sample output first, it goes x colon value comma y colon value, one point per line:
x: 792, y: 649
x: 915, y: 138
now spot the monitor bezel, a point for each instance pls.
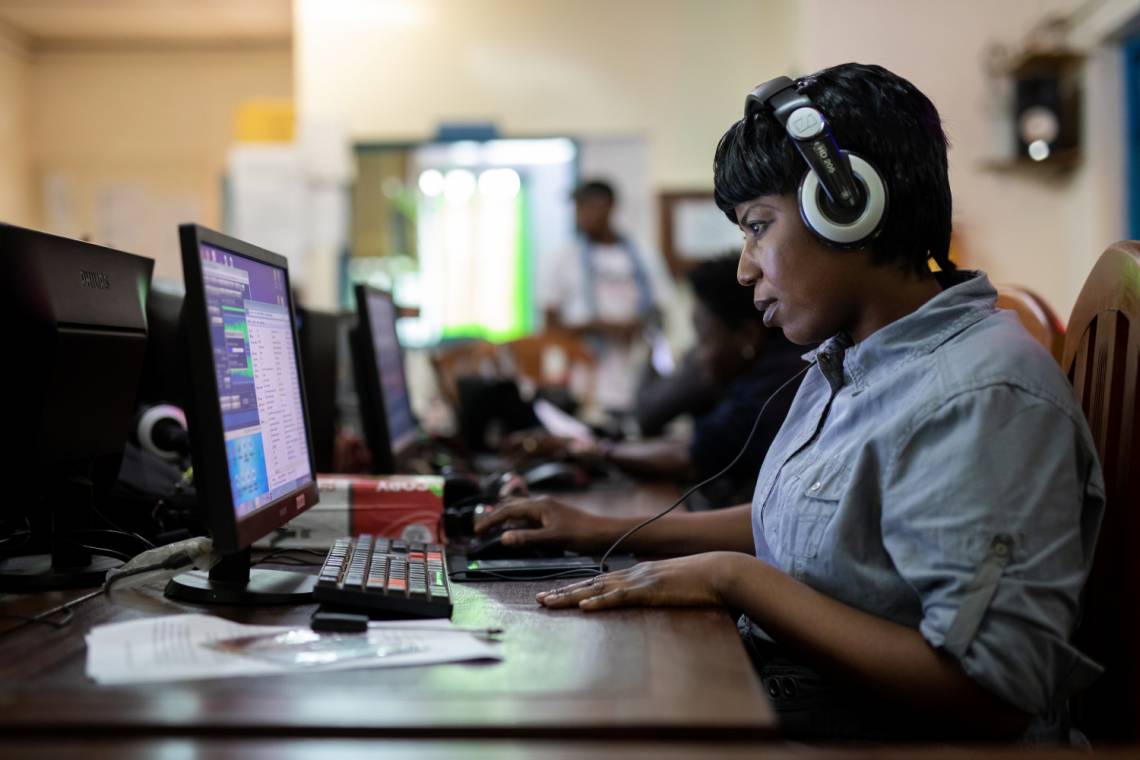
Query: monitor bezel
x: 207, y: 432
x: 375, y: 421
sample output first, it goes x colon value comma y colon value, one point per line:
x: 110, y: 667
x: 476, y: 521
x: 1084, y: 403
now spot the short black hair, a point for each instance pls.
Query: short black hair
x: 883, y: 118
x: 715, y: 285
x: 595, y: 188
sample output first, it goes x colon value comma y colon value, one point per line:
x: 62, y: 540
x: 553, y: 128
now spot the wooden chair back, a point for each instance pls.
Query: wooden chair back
x: 1036, y: 316
x: 465, y: 359
x: 1101, y: 354
x: 554, y: 358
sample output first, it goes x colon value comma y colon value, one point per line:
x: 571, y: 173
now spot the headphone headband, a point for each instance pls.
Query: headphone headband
x: 855, y: 201
x: 811, y: 135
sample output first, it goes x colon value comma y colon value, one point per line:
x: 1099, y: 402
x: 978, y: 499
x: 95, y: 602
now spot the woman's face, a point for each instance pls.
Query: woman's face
x: 800, y: 285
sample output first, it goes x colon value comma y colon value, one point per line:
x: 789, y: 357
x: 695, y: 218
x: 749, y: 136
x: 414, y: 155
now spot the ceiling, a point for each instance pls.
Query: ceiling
x: 52, y: 22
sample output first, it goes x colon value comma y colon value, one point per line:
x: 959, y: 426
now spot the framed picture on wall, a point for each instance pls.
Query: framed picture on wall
x: 694, y: 229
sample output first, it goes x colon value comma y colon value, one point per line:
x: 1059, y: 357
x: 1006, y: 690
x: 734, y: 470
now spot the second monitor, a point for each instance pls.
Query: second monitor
x: 390, y: 427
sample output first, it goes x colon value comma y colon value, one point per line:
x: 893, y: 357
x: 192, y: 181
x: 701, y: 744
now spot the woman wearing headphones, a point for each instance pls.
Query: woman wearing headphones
x: 912, y: 560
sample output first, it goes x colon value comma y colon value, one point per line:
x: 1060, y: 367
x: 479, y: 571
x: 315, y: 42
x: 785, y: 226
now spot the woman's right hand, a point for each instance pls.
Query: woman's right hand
x: 550, y: 523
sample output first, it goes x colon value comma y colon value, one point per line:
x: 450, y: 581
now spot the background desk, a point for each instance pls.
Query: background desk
x: 649, y: 673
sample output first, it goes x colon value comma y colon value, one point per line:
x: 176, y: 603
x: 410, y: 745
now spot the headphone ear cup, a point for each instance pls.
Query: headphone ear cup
x: 852, y: 234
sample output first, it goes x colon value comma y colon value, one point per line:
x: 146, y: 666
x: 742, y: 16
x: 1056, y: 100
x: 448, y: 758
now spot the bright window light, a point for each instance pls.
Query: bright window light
x: 458, y: 185
x: 431, y: 183
x: 499, y: 183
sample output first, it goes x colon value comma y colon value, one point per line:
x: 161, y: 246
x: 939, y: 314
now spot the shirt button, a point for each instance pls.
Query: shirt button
x: 815, y: 486
x: 774, y: 688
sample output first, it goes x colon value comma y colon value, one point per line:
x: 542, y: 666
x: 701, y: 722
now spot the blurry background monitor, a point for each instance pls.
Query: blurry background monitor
x: 76, y: 317
x: 390, y: 428
x: 253, y: 459
x: 319, y: 335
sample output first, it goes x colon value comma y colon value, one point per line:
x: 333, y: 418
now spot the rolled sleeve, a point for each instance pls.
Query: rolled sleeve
x: 998, y: 461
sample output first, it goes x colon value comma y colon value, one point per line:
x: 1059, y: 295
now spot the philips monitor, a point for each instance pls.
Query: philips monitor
x: 252, y: 451
x: 76, y: 324
x: 390, y: 428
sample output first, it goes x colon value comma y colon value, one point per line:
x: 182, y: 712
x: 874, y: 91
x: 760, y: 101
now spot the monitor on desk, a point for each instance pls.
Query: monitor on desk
x: 252, y: 450
x: 390, y: 428
x: 319, y: 335
x: 75, y: 315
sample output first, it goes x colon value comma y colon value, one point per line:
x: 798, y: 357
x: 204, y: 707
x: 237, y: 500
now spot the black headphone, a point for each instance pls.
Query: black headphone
x: 851, y: 208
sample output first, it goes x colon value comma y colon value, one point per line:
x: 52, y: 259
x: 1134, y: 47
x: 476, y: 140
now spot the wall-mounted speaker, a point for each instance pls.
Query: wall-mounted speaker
x: 1047, y: 107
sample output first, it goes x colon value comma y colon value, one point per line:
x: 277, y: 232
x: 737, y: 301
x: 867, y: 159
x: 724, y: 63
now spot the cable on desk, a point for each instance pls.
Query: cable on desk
x: 68, y: 614
x: 173, y: 562
x: 278, y: 555
x: 42, y: 618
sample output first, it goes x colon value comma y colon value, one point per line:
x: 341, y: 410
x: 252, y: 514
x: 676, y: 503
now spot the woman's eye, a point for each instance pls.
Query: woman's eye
x: 757, y: 228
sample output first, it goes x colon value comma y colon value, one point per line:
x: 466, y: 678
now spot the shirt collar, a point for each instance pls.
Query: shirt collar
x: 967, y: 297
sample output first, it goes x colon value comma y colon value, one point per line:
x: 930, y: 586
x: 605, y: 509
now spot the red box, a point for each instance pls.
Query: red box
x: 409, y: 507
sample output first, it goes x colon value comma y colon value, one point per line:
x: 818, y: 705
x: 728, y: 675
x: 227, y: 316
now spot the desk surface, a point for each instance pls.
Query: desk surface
x: 652, y: 673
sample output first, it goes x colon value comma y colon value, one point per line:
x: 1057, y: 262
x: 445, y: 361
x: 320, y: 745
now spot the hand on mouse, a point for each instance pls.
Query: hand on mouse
x: 555, y: 524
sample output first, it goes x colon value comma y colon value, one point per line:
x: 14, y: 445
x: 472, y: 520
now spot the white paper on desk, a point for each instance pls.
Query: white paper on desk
x: 171, y: 648
x: 561, y: 424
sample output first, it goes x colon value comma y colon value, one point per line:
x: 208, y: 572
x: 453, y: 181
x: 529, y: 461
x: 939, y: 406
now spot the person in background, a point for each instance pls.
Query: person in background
x: 742, y: 362
x: 604, y: 289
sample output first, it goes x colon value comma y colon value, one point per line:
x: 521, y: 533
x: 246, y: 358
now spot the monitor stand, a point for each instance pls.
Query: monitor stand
x: 72, y: 562
x: 233, y: 582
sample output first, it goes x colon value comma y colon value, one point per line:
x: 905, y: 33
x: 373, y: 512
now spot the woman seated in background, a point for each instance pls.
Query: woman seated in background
x: 912, y: 561
x: 744, y: 362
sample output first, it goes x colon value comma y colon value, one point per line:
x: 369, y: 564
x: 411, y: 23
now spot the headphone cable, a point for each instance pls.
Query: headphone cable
x: 586, y: 572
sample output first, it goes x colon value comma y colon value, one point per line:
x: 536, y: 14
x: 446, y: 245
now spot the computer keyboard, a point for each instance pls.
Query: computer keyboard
x: 385, y: 575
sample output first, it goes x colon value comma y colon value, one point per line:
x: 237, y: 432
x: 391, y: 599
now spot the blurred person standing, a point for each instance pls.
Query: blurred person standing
x: 602, y: 288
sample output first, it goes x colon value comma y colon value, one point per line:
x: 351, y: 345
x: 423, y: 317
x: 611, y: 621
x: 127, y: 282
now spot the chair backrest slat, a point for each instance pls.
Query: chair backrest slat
x: 1102, y: 359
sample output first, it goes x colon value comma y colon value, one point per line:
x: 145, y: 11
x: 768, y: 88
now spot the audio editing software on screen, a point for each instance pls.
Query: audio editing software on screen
x: 257, y: 373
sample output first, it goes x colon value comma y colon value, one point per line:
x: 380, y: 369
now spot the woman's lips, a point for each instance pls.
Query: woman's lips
x: 767, y: 307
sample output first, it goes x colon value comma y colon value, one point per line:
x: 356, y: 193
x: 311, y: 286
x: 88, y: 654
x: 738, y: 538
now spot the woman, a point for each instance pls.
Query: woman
x: 912, y: 560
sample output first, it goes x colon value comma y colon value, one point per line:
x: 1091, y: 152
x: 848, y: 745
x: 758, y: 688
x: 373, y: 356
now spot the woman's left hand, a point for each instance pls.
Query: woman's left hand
x: 694, y: 581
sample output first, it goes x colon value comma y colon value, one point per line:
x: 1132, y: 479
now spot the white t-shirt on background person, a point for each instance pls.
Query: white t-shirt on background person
x: 616, y: 297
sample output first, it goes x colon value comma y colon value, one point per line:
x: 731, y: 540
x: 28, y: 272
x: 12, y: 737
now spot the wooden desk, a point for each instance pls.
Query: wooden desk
x: 641, y: 673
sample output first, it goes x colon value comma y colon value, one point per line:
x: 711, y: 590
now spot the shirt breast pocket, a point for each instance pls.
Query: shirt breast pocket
x: 818, y: 494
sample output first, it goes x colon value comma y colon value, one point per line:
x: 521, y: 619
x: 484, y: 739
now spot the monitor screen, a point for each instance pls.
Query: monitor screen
x: 257, y: 374
x: 402, y: 425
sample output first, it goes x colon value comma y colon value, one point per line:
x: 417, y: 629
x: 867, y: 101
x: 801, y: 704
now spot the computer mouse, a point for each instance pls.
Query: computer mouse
x: 490, y: 546
x: 556, y: 476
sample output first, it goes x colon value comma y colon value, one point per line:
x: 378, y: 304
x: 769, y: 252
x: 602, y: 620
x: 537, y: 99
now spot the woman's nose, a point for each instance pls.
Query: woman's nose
x: 747, y: 273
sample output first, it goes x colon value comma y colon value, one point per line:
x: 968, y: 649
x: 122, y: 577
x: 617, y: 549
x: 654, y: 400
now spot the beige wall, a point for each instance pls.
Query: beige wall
x: 1024, y: 228
x: 15, y: 171
x: 128, y: 142
x: 674, y: 71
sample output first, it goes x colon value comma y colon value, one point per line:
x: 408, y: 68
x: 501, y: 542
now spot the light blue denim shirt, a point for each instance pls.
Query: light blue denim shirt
x: 941, y: 475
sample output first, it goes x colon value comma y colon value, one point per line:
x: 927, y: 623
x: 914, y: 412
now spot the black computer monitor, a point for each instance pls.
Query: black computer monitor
x: 319, y: 332
x: 390, y: 428
x: 252, y: 450
x: 75, y: 315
